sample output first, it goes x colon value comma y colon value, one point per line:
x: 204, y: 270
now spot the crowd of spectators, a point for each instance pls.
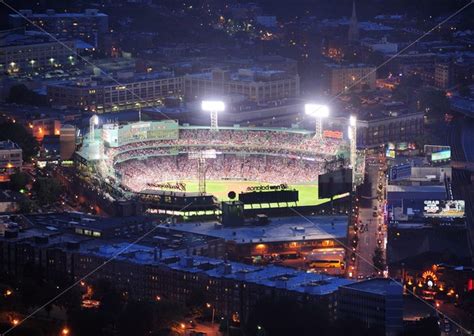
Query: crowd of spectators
x: 237, y: 140
x: 257, y: 155
x: 138, y: 175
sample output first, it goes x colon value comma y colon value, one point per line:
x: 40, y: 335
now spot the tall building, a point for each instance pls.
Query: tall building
x: 376, y: 302
x: 11, y: 158
x: 353, y: 25
x: 443, y: 75
x: 349, y: 77
x: 85, y: 26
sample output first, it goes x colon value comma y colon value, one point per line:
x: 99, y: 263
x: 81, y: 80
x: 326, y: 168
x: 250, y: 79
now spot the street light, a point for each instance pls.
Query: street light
x: 208, y: 305
x: 318, y: 112
x: 65, y: 331
x: 213, y: 107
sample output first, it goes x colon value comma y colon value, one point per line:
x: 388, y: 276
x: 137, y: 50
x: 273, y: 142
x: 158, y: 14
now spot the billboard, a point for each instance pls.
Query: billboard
x: 430, y: 149
x: 335, y: 183
x: 443, y: 208
x: 116, y: 135
x: 444, y: 155
x: 332, y: 134
x: 272, y: 196
x: 400, y: 172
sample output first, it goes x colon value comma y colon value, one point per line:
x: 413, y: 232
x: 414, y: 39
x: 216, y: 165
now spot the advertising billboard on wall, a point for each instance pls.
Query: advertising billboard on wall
x: 444, y: 208
x: 444, y: 155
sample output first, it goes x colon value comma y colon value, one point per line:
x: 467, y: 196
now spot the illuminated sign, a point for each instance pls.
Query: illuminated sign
x: 332, y: 134
x: 444, y: 208
x: 390, y: 153
x: 282, y: 186
x: 444, y: 155
x: 179, y: 186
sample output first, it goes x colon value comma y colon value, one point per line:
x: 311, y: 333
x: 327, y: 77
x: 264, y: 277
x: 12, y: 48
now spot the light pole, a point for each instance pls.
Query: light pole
x: 208, y: 305
x: 93, y: 121
x: 352, y: 132
x: 319, y: 112
x: 213, y: 107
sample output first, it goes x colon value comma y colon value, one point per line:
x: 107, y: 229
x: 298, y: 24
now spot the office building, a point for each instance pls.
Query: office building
x: 111, y: 95
x: 258, y: 86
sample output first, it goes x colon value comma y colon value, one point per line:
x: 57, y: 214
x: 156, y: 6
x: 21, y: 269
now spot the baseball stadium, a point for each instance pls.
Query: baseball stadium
x: 165, y: 158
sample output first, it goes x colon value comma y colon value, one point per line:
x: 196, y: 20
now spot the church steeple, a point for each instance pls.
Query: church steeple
x: 353, y: 25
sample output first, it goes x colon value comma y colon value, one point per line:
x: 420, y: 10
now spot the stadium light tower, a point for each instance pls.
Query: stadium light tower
x: 213, y: 107
x: 201, y: 157
x: 93, y: 122
x: 319, y: 112
x: 352, y: 133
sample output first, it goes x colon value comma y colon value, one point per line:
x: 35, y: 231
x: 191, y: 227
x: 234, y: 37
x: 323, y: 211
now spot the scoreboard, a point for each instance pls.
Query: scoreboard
x: 115, y: 135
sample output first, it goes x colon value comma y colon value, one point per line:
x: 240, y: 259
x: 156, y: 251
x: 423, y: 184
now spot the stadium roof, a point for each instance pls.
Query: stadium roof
x: 279, y: 229
x: 273, y: 129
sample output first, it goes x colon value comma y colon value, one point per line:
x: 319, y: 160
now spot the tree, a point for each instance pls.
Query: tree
x: 18, y: 134
x: 28, y: 206
x: 406, y: 87
x: 47, y: 190
x: 20, y: 94
x: 435, y: 103
x: 18, y: 180
x: 285, y: 316
x: 196, y: 300
x: 136, y: 319
x: 378, y: 260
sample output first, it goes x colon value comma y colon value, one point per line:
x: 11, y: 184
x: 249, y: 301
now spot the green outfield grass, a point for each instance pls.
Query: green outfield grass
x: 308, y: 193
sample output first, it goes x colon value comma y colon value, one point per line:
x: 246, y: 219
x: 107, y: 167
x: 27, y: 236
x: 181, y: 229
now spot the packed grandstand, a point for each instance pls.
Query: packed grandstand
x: 138, y: 155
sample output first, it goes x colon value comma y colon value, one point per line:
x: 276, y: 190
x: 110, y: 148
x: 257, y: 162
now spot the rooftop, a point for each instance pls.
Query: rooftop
x: 8, y: 144
x: 279, y: 229
x: 270, y: 276
x: 380, y: 286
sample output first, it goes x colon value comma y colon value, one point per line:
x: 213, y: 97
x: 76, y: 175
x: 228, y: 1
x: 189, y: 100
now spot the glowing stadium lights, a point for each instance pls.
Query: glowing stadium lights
x: 213, y: 107
x: 352, y: 120
x: 93, y: 121
x: 318, y: 112
x: 352, y: 135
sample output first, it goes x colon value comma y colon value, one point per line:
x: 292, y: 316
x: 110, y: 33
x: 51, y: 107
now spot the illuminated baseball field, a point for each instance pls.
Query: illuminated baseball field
x: 308, y: 193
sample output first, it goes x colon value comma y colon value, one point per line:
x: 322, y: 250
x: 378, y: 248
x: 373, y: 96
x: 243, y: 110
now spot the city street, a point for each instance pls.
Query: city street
x: 371, y: 226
